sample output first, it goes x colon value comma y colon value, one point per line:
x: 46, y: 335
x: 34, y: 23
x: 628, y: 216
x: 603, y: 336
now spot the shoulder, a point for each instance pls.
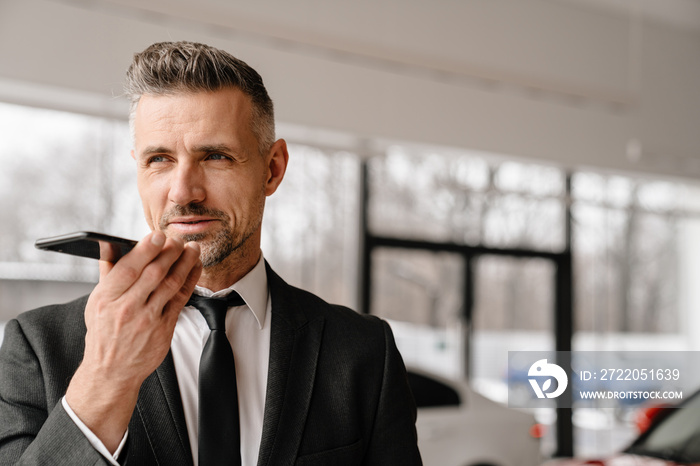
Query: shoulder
x: 301, y: 304
x: 41, y: 350
x: 55, y: 315
x: 343, y: 330
x: 51, y: 328
x: 342, y: 326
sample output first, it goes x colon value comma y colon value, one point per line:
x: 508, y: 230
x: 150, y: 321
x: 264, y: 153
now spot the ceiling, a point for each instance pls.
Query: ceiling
x: 574, y: 82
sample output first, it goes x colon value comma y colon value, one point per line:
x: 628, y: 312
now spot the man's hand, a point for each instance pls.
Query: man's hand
x: 130, y: 318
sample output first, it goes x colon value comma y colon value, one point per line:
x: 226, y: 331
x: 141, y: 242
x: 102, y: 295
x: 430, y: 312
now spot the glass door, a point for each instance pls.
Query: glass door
x: 421, y: 294
x: 513, y: 310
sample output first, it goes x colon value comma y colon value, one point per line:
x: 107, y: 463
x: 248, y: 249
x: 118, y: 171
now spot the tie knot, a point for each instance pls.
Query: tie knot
x: 214, y: 309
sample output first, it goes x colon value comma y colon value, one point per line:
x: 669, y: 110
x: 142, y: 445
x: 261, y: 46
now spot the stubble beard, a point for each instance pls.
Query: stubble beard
x: 217, y: 249
x: 225, y: 241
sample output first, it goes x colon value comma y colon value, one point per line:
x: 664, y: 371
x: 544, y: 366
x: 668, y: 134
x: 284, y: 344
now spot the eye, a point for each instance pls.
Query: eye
x: 217, y: 156
x: 156, y: 159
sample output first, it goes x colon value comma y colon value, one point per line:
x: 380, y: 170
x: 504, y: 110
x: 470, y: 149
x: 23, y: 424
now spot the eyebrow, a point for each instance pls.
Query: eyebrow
x: 199, y: 149
x: 213, y: 148
x: 155, y: 150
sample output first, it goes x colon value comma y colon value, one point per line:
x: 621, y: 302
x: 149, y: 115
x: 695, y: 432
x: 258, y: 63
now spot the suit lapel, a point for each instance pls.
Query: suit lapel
x: 295, y: 341
x: 160, y: 409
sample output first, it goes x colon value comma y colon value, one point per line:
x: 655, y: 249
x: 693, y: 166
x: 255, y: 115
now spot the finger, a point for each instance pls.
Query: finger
x: 122, y: 275
x: 186, y: 290
x: 107, y: 250
x: 176, y: 277
x: 105, y: 268
x: 178, y: 301
x: 157, y: 270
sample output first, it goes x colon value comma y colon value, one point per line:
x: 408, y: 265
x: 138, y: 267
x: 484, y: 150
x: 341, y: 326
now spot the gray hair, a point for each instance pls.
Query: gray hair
x: 173, y: 67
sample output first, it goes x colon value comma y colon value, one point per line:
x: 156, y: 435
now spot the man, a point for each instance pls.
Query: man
x: 115, y: 377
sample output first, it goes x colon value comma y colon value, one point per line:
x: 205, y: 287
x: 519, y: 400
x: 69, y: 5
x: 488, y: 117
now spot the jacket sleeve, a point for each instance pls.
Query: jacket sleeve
x: 394, y: 439
x: 35, y: 430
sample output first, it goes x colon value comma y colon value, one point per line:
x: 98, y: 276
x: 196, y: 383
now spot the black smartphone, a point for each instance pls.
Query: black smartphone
x: 88, y: 244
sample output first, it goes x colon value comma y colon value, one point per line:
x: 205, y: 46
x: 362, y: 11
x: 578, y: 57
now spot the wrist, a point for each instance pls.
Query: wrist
x: 102, y: 385
x: 104, y: 405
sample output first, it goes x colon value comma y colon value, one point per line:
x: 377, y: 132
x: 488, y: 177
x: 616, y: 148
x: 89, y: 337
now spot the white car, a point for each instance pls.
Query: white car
x: 458, y: 427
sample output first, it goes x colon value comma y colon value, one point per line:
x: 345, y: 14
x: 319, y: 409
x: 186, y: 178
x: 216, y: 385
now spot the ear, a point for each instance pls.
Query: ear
x: 277, y: 160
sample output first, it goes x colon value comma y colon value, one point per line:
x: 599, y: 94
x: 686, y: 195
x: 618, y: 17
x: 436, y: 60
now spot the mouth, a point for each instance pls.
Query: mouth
x: 191, y: 225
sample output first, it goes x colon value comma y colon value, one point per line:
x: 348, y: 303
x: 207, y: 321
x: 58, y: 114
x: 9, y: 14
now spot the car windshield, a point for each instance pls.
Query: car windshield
x: 430, y: 393
x: 676, y: 437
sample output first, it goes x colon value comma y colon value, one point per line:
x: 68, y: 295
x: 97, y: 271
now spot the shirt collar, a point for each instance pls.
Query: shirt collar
x: 252, y: 288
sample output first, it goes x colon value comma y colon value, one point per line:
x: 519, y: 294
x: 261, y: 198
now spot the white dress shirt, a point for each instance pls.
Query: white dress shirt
x: 248, y: 331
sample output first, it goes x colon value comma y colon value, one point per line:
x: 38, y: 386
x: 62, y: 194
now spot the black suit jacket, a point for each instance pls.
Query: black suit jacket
x: 336, y: 393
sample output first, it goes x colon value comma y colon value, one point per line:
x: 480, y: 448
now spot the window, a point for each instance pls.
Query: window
x: 631, y: 237
x: 310, y: 230
x: 63, y: 172
x: 460, y: 197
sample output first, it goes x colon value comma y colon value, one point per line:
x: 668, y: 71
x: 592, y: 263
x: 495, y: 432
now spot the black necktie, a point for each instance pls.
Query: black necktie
x: 219, y: 428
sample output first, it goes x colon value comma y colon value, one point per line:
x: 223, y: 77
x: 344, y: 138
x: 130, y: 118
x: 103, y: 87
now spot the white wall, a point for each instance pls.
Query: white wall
x: 533, y: 78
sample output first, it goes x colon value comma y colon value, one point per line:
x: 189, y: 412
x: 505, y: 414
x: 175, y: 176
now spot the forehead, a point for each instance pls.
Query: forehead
x: 222, y: 113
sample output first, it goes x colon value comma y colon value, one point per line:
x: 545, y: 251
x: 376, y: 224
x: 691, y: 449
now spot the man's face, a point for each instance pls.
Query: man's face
x: 200, y: 175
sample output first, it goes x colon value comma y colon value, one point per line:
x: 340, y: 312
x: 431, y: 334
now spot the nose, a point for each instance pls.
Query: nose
x: 187, y: 184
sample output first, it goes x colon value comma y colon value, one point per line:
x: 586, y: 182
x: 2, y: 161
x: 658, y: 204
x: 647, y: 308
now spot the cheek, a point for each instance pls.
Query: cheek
x: 151, y: 200
x: 238, y: 193
x: 253, y: 196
